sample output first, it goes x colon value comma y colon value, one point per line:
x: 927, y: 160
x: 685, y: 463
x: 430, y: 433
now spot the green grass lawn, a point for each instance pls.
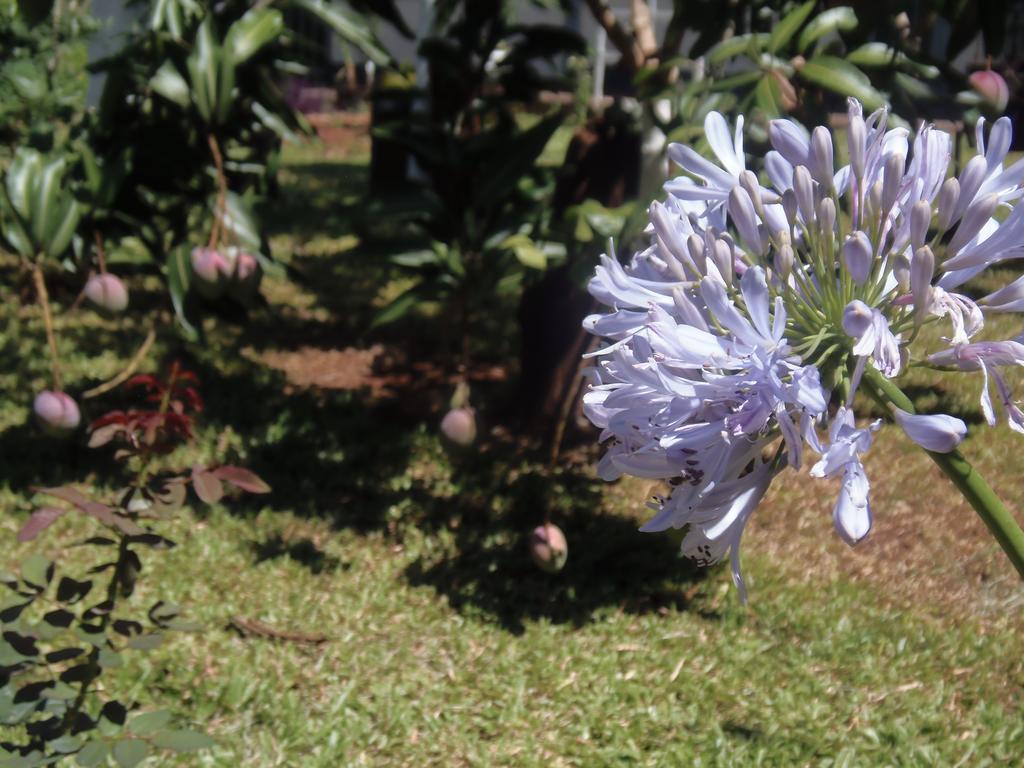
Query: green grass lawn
x: 443, y: 645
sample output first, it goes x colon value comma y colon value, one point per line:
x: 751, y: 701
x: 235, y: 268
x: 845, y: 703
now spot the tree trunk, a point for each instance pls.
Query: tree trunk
x: 602, y: 163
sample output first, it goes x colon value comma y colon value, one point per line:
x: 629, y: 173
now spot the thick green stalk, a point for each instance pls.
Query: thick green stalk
x: 967, y: 480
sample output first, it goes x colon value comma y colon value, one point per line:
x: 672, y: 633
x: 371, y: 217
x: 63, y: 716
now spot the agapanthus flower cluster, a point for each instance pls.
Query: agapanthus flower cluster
x: 739, y: 337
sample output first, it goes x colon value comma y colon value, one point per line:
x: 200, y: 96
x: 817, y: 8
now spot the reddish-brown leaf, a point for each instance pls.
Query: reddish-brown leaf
x: 207, y: 485
x: 242, y: 478
x: 103, y: 435
x: 40, y: 520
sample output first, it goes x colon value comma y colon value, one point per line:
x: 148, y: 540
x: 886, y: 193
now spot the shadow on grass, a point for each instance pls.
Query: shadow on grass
x: 303, y: 551
x: 610, y: 565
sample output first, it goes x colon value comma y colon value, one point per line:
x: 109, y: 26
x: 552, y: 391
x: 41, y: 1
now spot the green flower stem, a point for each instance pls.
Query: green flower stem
x: 967, y: 480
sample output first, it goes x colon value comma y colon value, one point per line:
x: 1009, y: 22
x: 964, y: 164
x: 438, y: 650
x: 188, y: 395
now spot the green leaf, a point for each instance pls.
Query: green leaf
x: 241, y: 223
x: 37, y: 571
x: 183, y: 741
x: 225, y: 87
x: 841, y: 19
x: 843, y: 78
x: 514, y: 161
x: 179, y: 277
x: 749, y: 44
x: 202, y: 70
x: 256, y: 28
x: 27, y: 78
x: 149, y: 723
x: 768, y: 96
x: 130, y: 752
x: 169, y: 83
x: 789, y: 25
x: 873, y: 55
x: 526, y: 251
x: 146, y: 642
x: 92, y: 754
x: 397, y: 308
x: 350, y: 25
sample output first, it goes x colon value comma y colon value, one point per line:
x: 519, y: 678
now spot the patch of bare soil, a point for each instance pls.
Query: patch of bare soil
x: 378, y: 370
x: 343, y: 133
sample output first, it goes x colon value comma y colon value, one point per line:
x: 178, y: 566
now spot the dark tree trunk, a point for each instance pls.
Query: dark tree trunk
x: 602, y: 163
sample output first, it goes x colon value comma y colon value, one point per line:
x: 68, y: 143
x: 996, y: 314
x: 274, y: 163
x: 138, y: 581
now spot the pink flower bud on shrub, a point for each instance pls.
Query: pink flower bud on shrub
x: 548, y: 548
x: 459, y: 426
x: 992, y: 87
x: 56, y: 411
x: 210, y: 271
x: 245, y: 277
x: 106, y: 292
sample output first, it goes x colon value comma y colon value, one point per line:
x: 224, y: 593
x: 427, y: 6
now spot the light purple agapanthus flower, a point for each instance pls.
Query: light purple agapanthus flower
x: 761, y: 301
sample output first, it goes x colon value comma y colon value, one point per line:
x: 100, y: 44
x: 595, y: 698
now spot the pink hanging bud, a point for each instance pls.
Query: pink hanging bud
x: 992, y: 88
x: 210, y: 270
x: 548, y: 548
x: 245, y: 278
x: 107, y: 293
x: 459, y: 426
x: 57, y: 412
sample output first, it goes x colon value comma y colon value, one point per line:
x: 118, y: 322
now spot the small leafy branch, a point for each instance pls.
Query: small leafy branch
x: 56, y: 640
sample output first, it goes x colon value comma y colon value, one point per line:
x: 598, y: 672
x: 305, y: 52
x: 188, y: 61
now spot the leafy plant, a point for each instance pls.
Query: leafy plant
x: 474, y: 204
x: 60, y: 633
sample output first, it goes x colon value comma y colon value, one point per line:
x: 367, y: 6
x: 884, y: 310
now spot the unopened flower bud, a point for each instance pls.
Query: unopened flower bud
x: 107, y: 293
x: 57, y: 412
x: 245, y: 278
x: 548, y: 548
x: 920, y: 219
x: 857, y: 318
x: 827, y: 215
x: 992, y: 88
x: 789, y: 206
x: 891, y: 181
x: 901, y: 270
x: 949, y: 195
x: 459, y: 426
x: 874, y: 205
x: 820, y: 158
x: 858, y: 257
x: 856, y: 137
x: 210, y: 270
x: 803, y: 187
x: 922, y: 270
x: 784, y: 260
x: 695, y: 246
x: 741, y: 210
x: 938, y: 432
x: 724, y: 261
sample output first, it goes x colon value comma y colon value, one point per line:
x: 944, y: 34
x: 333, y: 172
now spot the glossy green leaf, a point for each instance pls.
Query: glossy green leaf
x: 202, y: 70
x: 170, y: 84
x: 749, y: 44
x: 256, y: 28
x: 179, y: 276
x: 841, y: 19
x: 350, y: 25
x: 843, y: 78
x: 788, y: 26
